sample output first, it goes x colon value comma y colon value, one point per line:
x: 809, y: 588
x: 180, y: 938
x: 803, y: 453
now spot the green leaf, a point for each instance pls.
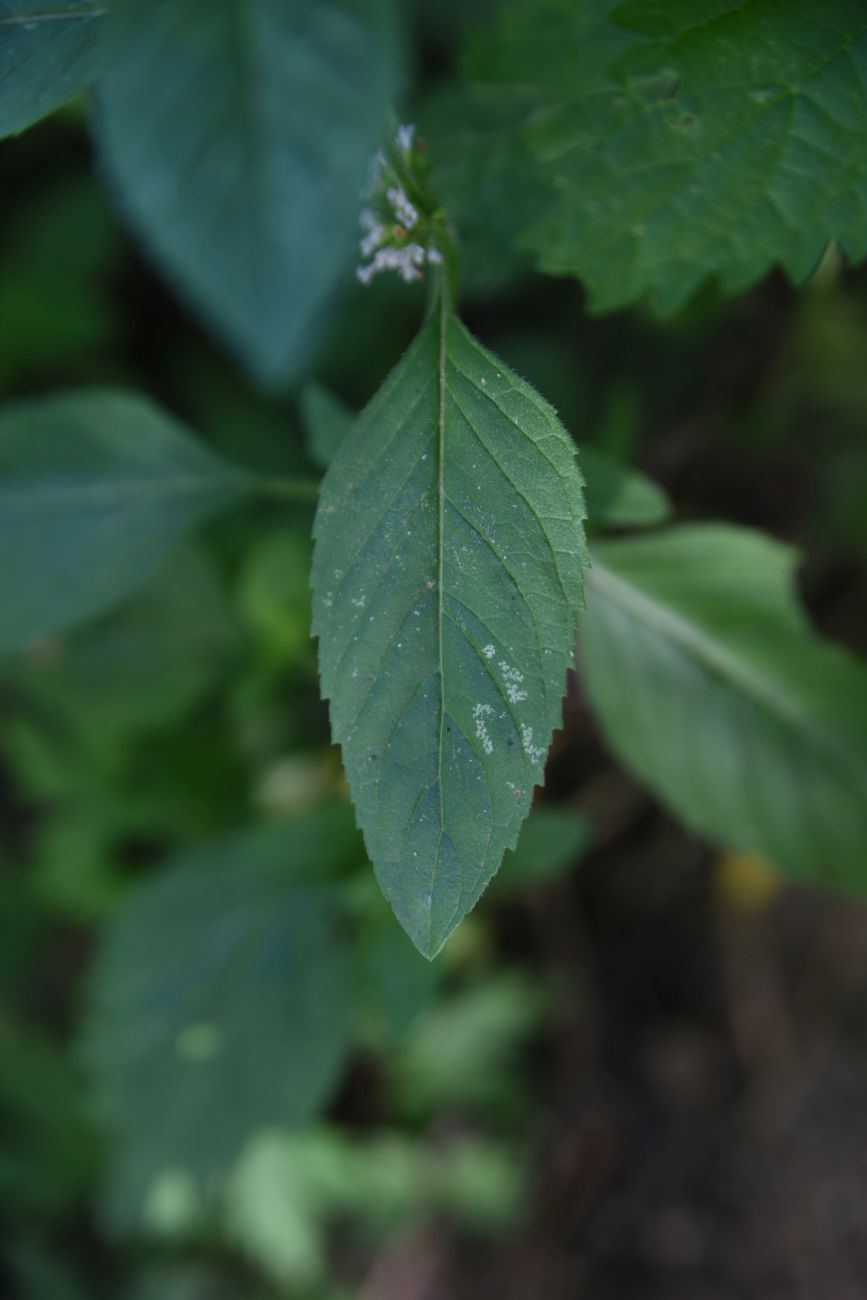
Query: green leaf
x: 398, y: 982
x: 47, y: 55
x: 711, y: 686
x: 242, y: 174
x: 145, y: 664
x: 274, y: 600
x: 619, y: 497
x: 326, y: 420
x: 447, y: 580
x: 714, y: 139
x: 96, y: 488
x: 241, y: 1022
x: 551, y: 842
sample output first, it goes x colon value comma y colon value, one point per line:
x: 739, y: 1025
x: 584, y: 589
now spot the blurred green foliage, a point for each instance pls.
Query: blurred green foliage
x: 226, y: 1074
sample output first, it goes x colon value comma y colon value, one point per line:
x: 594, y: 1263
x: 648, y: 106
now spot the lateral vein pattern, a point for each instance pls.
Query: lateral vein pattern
x: 447, y: 581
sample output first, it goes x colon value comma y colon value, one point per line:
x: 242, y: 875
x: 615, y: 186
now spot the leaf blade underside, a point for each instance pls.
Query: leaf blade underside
x: 447, y: 579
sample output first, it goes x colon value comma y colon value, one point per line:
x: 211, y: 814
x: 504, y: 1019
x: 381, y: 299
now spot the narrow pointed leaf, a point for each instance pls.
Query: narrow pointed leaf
x: 447, y: 579
x: 96, y: 488
x: 47, y: 54
x: 239, y: 134
x: 711, y: 686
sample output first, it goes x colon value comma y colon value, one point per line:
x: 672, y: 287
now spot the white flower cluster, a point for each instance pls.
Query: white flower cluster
x: 406, y: 214
x: 384, y: 240
x: 409, y: 261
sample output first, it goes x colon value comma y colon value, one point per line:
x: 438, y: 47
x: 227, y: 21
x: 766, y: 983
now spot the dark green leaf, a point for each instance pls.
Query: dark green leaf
x: 619, y: 497
x: 715, y: 139
x: 326, y: 421
x: 551, y: 842
x: 710, y: 684
x: 398, y: 982
x: 96, y: 488
x: 146, y: 663
x: 239, y: 134
x: 47, y: 55
x: 274, y: 599
x: 447, y: 580
x: 220, y: 1004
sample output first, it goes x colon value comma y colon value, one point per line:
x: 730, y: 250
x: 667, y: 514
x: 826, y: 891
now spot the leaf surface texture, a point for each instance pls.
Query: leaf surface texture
x: 447, y: 579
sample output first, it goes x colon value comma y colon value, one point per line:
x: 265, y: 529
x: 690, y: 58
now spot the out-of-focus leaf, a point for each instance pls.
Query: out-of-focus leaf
x: 48, y: 53
x: 243, y: 174
x: 146, y: 663
x: 467, y: 1050
x: 711, y: 139
x: 710, y: 685
x: 483, y: 172
x: 274, y: 599
x: 326, y: 422
x: 96, y: 488
x: 619, y: 497
x: 397, y: 980
x: 447, y: 582
x: 220, y: 1004
x: 278, y: 1197
x: 288, y: 1189
x: 552, y: 840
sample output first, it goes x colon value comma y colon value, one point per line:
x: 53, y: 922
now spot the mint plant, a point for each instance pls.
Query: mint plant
x: 644, y: 149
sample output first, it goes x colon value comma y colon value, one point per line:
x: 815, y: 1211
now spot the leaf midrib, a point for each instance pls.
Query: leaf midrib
x: 690, y: 637
x: 442, y: 306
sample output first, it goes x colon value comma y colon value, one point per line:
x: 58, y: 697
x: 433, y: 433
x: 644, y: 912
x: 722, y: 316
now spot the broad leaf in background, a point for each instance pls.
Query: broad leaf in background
x: 47, y: 55
x: 396, y: 981
x: 711, y: 686
x: 220, y: 1004
x: 96, y: 488
x: 711, y: 139
x: 243, y: 173
x: 145, y: 664
x: 326, y: 421
x: 620, y: 497
x: 447, y: 578
x: 552, y: 840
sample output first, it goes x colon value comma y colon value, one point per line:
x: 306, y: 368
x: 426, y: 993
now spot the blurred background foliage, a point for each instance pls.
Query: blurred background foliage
x: 638, y: 1068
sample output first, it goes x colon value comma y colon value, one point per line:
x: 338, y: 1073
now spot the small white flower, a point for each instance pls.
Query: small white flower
x: 404, y: 210
x: 375, y: 231
x: 407, y: 261
x: 389, y: 215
